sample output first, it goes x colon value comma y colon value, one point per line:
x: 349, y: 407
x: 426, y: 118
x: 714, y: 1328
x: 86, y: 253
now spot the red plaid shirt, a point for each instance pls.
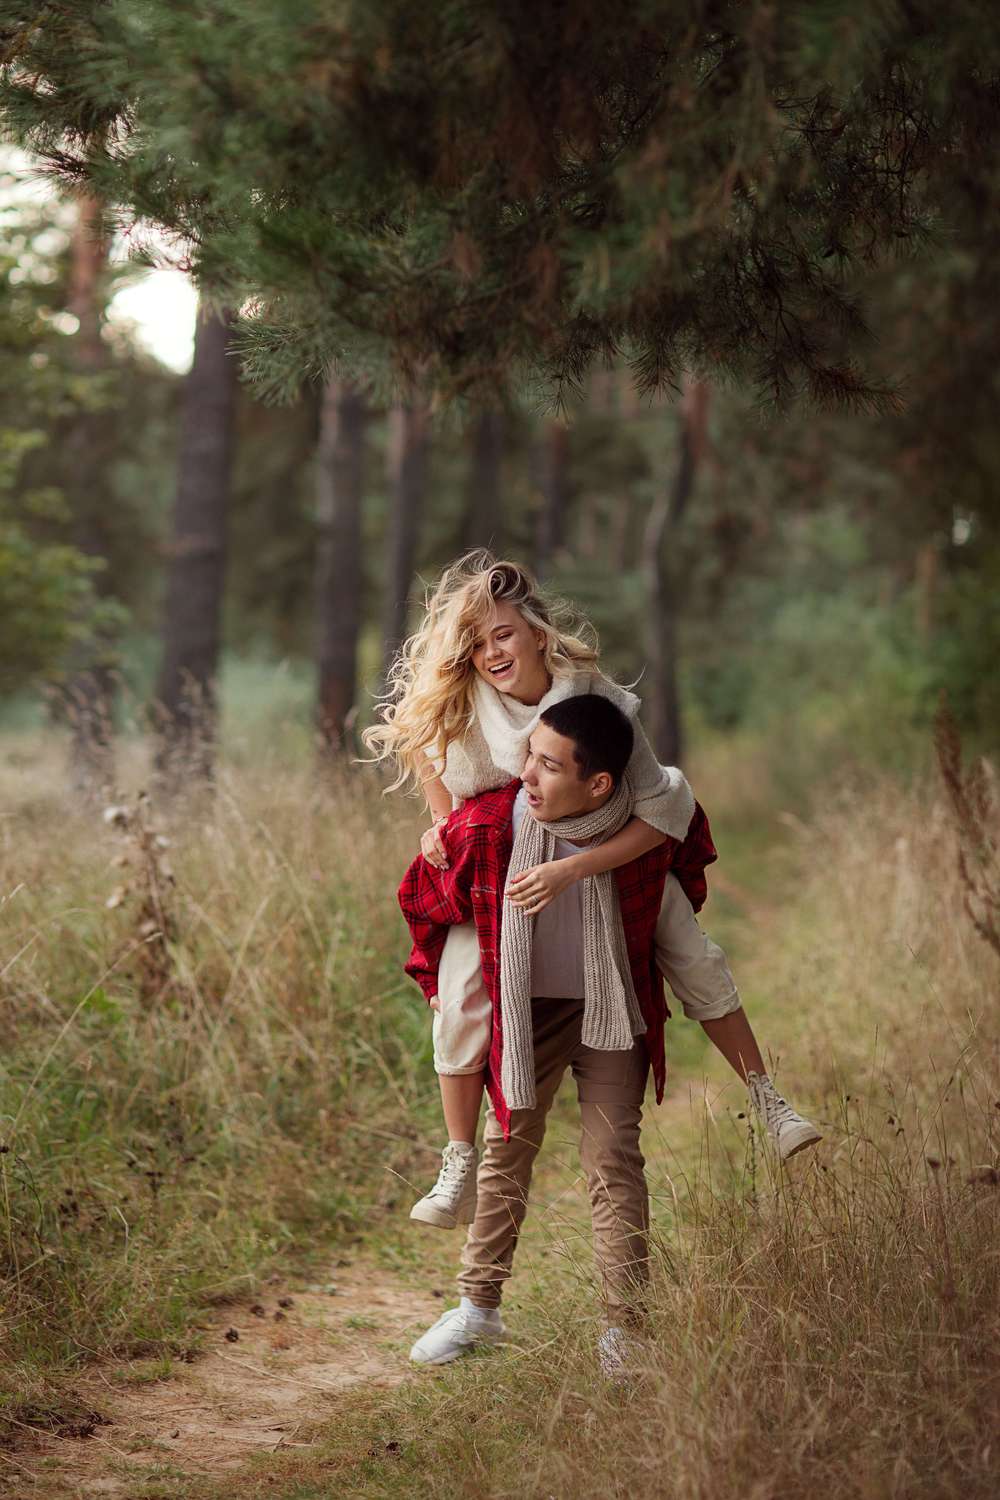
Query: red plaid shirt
x: 479, y: 838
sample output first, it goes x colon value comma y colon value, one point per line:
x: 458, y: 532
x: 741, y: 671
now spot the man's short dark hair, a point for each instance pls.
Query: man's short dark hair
x: 602, y: 736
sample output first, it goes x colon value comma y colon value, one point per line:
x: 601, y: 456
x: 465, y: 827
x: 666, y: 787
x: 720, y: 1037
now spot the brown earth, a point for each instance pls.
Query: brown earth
x: 260, y: 1391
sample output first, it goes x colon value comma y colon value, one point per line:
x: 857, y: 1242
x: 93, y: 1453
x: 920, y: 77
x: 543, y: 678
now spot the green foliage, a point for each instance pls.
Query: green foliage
x: 57, y: 600
x: 48, y: 603
x: 474, y: 192
x: 46, y: 591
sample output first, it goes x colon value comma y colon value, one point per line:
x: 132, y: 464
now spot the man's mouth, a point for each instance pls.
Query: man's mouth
x: 501, y: 669
x: 533, y: 800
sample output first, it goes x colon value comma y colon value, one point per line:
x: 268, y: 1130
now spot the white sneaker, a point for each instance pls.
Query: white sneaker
x: 452, y: 1199
x: 617, y: 1353
x: 456, y: 1332
x: 788, y: 1130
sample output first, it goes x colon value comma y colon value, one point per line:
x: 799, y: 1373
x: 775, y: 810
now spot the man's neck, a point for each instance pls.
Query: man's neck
x: 591, y: 807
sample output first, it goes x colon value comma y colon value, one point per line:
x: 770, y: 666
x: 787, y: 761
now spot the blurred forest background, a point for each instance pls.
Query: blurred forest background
x: 816, y: 578
x: 692, y: 309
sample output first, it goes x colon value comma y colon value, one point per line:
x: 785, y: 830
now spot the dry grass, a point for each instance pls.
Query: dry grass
x: 176, y: 1114
x: 831, y: 1332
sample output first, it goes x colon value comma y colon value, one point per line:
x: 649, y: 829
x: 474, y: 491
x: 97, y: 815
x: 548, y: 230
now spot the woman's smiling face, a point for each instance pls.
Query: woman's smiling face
x: 509, y: 655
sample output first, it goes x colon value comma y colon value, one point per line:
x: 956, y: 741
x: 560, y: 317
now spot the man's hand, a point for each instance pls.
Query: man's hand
x: 534, y: 888
x: 432, y: 846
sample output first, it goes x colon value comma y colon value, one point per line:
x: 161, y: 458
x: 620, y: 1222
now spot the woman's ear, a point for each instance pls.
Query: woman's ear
x: 540, y: 639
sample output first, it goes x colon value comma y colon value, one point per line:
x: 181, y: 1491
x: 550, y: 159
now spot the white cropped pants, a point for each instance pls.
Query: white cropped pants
x: 695, y: 968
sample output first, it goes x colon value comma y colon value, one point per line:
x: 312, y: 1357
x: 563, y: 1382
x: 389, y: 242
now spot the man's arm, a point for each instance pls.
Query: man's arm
x: 433, y: 900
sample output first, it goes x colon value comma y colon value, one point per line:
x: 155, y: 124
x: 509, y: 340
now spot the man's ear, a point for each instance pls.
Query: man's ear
x: 601, y: 784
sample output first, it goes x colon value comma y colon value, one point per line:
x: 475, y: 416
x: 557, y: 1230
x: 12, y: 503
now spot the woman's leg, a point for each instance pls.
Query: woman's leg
x: 697, y: 972
x: 733, y: 1035
x: 463, y: 1022
x: 461, y: 1097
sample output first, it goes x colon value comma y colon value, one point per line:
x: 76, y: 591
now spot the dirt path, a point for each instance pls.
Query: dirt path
x: 155, y: 1430
x: 264, y: 1389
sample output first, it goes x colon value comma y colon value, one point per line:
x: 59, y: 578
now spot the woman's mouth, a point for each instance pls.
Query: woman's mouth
x: 502, y: 669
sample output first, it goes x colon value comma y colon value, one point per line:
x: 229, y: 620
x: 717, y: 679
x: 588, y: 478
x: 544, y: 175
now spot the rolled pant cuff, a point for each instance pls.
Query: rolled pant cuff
x: 715, y: 1010
x: 478, y: 1296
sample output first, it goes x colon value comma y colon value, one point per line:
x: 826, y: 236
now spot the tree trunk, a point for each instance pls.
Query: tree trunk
x: 483, y: 521
x: 553, y: 483
x: 88, y: 697
x: 407, y: 483
x: 925, y: 577
x: 340, y: 468
x: 186, y: 699
x: 663, y: 711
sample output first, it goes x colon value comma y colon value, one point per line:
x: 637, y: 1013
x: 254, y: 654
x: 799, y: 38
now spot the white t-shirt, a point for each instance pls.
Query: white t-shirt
x: 557, y: 940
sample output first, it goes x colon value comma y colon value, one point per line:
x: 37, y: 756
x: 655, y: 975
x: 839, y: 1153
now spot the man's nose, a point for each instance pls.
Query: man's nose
x: 528, y: 774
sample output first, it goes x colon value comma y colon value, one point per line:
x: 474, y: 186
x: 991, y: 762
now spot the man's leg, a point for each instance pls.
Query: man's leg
x: 506, y: 1167
x: 611, y: 1086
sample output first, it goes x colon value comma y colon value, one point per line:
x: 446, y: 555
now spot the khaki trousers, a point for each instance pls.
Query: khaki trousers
x: 610, y: 1087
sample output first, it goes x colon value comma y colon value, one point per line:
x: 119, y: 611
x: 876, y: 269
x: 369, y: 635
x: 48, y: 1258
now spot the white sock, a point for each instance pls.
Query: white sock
x: 488, y: 1314
x: 463, y: 1145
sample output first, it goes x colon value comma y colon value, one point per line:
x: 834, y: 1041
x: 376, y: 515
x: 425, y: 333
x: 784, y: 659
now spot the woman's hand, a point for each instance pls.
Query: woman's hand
x: 534, y: 888
x: 432, y: 845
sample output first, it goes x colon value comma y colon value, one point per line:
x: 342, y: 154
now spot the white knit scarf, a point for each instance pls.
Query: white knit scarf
x: 495, y: 745
x: 611, y: 1014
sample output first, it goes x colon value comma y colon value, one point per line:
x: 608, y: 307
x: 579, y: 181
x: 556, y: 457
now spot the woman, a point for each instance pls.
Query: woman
x: 464, y: 695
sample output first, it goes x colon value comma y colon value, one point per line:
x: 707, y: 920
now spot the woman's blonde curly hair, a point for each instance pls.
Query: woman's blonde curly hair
x: 428, y: 700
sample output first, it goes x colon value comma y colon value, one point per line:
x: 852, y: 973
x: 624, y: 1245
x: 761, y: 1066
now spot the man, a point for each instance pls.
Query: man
x: 575, y: 987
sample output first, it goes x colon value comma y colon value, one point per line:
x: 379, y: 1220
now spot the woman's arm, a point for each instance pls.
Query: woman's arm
x: 439, y: 806
x: 630, y: 842
x: 438, y: 797
x: 536, y: 887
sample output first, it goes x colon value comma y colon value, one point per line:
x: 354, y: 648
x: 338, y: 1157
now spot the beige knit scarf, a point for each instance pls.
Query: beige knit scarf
x: 611, y: 1014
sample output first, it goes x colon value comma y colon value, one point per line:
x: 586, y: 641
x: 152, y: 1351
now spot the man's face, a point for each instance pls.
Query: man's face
x: 552, y: 780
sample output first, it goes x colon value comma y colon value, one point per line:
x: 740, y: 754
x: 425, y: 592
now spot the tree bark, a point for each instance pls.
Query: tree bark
x: 408, y: 442
x: 925, y: 577
x: 88, y: 697
x: 483, y: 521
x: 186, y: 695
x: 663, y: 710
x: 340, y: 468
x: 553, y: 483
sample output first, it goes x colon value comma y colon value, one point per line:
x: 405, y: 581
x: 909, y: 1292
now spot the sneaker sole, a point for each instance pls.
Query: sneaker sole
x: 487, y: 1341
x: 811, y: 1139
x: 438, y: 1218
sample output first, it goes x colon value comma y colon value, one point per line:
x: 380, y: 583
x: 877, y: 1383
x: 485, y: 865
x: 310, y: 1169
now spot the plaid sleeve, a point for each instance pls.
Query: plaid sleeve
x: 693, y: 856
x: 433, y: 900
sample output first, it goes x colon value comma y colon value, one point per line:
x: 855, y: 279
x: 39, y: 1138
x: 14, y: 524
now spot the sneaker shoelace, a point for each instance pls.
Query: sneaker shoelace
x: 777, y: 1110
x: 454, y: 1170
